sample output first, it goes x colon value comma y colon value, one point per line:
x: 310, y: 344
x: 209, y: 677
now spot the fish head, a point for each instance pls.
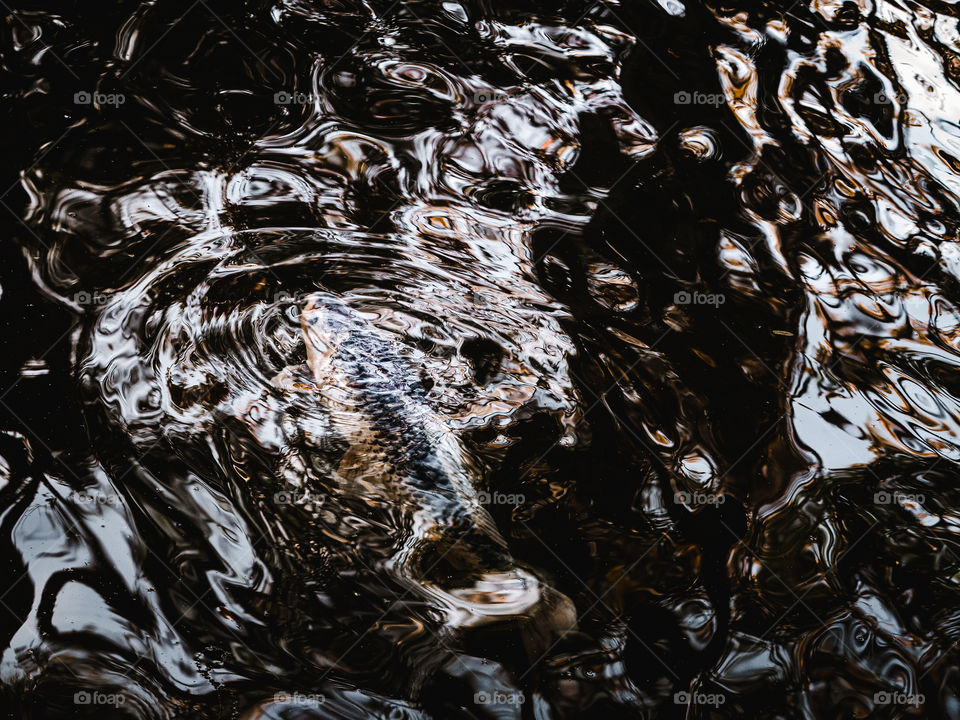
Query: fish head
x: 326, y: 322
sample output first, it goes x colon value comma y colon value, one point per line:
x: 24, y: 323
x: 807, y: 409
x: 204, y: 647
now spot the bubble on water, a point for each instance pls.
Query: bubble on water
x: 612, y: 287
x: 700, y: 143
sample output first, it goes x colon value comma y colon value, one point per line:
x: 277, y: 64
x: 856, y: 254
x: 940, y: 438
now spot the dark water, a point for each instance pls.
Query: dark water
x: 679, y: 279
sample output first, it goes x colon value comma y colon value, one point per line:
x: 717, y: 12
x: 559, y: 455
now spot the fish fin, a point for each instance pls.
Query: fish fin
x: 295, y: 378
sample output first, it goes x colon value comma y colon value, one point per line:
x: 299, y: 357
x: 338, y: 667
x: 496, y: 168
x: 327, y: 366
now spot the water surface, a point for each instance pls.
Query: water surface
x: 682, y: 278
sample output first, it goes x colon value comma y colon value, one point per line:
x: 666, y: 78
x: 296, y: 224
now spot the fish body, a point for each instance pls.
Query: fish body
x: 400, y: 451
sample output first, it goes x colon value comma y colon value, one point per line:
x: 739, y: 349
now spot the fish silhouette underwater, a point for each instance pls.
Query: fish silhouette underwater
x: 397, y: 450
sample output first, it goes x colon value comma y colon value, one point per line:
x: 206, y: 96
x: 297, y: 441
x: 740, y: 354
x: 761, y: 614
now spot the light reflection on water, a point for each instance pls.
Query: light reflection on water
x: 677, y: 283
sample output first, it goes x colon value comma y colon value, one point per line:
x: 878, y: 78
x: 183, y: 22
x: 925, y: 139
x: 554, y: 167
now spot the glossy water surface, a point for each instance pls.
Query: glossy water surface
x: 675, y: 284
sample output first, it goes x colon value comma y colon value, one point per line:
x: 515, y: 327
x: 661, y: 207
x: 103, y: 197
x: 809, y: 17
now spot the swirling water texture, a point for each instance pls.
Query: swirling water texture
x: 683, y: 277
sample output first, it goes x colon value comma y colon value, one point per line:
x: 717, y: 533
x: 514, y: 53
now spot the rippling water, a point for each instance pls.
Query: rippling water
x: 666, y: 293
